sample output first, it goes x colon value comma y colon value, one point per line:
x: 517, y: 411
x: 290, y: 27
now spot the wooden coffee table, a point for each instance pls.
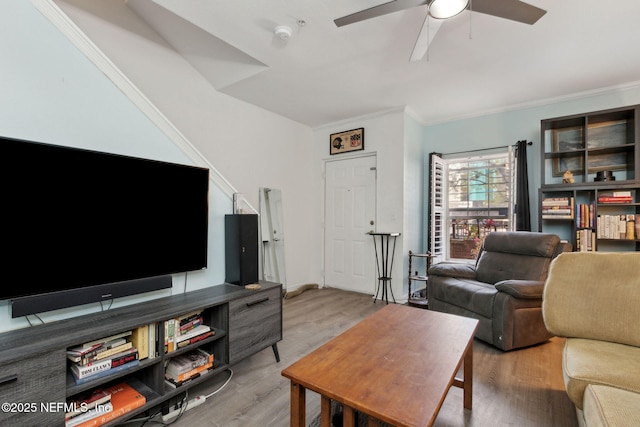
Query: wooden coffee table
x: 397, y: 366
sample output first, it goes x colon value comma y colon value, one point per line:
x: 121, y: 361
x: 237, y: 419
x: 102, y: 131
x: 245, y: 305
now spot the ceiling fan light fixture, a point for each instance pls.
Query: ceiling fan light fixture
x: 444, y: 9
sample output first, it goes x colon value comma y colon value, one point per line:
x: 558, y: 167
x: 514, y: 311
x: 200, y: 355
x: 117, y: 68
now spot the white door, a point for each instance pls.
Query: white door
x: 350, y: 207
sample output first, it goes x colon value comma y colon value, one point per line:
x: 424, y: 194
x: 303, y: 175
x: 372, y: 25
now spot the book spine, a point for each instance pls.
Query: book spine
x: 169, y: 335
x: 105, y: 354
x: 194, y: 332
x: 153, y: 344
x: 115, y: 413
x: 190, y: 325
x: 88, y: 370
x: 107, y: 339
x: 555, y: 201
x: 89, y: 415
x: 140, y: 340
x: 194, y: 340
x: 110, y: 371
x: 186, y: 375
x: 99, y: 398
x: 126, y: 358
x: 604, y: 199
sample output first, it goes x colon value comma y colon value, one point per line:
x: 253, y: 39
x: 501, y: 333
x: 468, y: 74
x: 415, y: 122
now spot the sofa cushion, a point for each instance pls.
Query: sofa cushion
x: 587, y: 362
x: 473, y: 296
x: 461, y: 270
x: 610, y: 407
x: 519, y: 243
x: 522, y: 289
x: 594, y: 295
x: 515, y: 255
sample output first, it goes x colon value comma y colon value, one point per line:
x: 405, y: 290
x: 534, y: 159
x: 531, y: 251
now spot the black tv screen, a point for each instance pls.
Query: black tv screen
x: 75, y: 218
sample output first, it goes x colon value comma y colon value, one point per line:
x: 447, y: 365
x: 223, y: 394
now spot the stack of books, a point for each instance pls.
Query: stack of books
x: 87, y: 406
x: 585, y: 215
x: 185, y: 330
x: 615, y: 197
x: 187, y: 367
x: 585, y: 240
x: 557, y: 208
x: 123, y: 398
x: 617, y: 227
x: 102, y: 357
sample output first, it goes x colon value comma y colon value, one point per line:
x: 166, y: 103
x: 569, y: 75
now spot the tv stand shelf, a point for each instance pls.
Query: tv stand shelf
x: 34, y: 364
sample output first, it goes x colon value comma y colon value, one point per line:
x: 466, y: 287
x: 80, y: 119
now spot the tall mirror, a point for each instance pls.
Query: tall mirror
x: 273, y: 268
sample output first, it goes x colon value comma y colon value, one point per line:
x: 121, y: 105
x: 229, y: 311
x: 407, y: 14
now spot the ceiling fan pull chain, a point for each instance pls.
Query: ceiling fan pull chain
x: 428, y: 34
x: 470, y: 15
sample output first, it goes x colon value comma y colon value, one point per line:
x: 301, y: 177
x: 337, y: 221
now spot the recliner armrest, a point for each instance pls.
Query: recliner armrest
x: 453, y: 269
x: 523, y: 289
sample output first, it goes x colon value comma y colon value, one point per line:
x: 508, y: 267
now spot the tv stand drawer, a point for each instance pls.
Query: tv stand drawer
x: 28, y: 384
x: 255, y: 322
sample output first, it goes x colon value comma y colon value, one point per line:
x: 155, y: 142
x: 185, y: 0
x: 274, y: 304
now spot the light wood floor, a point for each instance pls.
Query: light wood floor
x: 519, y: 388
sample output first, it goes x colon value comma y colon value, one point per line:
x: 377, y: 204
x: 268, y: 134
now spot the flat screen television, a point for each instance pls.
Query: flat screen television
x: 81, y: 226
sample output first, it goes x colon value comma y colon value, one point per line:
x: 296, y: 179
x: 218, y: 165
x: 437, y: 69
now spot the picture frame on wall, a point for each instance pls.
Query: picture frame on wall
x: 347, y: 141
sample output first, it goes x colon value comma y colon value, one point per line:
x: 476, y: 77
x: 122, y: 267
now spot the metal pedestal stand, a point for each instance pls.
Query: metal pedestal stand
x: 383, y: 264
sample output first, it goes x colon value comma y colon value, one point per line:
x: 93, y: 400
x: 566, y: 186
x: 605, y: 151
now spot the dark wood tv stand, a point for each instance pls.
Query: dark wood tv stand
x: 33, y: 360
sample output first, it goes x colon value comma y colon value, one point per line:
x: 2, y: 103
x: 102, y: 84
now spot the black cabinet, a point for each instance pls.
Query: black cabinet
x: 241, y: 249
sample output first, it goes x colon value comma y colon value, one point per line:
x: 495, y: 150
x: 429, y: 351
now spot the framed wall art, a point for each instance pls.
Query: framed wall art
x: 344, y: 142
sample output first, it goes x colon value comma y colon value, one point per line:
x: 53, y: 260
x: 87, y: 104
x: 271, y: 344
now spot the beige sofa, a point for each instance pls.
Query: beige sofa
x: 593, y: 299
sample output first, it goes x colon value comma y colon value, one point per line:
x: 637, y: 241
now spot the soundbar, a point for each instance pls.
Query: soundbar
x: 32, y: 304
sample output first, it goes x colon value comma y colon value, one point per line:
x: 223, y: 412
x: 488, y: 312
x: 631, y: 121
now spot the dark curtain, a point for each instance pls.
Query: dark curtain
x: 523, y: 211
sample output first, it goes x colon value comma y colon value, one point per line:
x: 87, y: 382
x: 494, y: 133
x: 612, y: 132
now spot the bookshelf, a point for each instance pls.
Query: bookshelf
x: 36, y: 369
x: 601, y: 200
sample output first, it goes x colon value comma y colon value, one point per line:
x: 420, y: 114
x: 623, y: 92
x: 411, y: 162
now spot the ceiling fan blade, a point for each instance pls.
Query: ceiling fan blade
x: 428, y: 31
x: 513, y: 10
x: 374, y: 12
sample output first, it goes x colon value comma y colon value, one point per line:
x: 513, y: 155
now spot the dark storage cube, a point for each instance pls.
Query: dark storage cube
x: 241, y: 249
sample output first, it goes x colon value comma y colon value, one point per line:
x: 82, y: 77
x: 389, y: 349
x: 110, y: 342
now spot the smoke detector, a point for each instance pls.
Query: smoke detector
x: 282, y: 32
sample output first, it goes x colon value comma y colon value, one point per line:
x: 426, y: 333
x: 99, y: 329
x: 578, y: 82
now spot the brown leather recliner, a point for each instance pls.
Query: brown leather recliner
x: 503, y: 289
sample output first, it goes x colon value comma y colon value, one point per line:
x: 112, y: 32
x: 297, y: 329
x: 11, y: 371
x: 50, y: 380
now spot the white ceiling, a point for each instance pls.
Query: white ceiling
x: 476, y: 63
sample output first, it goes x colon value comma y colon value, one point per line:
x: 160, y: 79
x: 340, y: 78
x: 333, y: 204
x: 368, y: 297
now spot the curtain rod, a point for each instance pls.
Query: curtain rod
x: 486, y: 149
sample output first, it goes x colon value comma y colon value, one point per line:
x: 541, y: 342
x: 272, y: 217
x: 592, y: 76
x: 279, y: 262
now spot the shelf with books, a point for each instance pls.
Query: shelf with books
x: 117, y: 400
x: 617, y: 220
x: 605, y: 216
x: 593, y: 160
x: 562, y: 207
x: 38, y: 360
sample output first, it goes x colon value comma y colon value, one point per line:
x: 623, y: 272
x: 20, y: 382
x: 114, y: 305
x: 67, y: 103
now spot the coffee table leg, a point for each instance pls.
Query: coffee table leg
x: 348, y: 416
x: 325, y: 412
x: 298, y: 405
x: 467, y: 387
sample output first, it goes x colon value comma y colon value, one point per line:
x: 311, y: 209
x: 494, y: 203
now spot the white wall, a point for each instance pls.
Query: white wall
x: 414, y: 194
x: 384, y: 135
x: 53, y: 93
x: 249, y: 146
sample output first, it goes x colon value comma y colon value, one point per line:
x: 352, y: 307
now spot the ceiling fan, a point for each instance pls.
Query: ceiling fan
x: 439, y: 10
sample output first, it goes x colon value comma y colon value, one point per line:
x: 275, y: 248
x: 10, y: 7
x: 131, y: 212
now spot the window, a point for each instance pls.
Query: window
x: 473, y: 197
